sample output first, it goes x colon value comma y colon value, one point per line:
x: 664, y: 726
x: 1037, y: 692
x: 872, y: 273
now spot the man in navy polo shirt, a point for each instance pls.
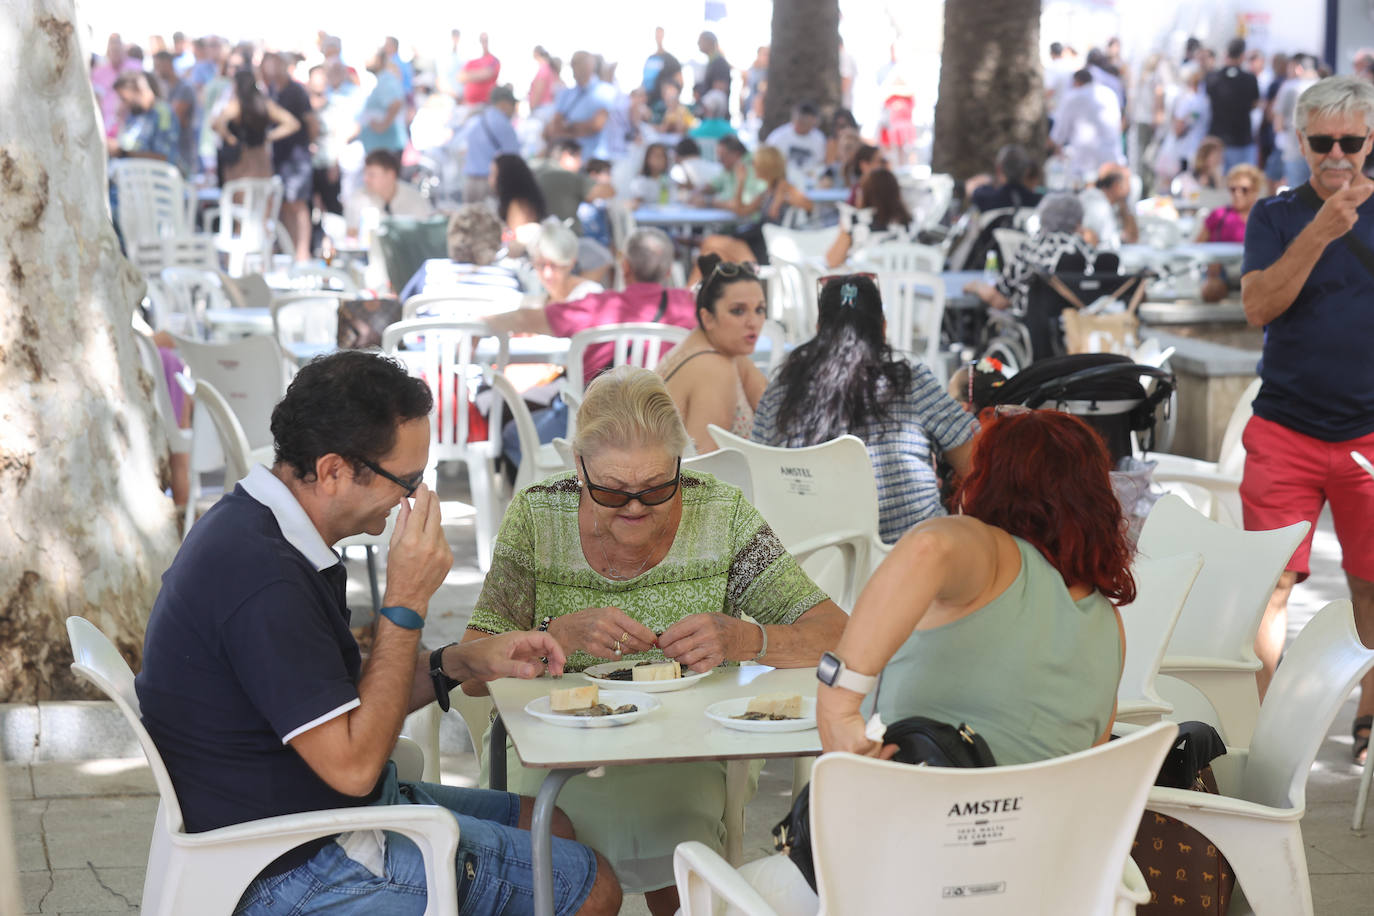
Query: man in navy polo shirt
x: 1308, y: 280
x: 254, y: 689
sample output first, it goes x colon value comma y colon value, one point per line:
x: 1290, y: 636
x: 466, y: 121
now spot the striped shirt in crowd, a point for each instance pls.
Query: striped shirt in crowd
x: 901, y: 447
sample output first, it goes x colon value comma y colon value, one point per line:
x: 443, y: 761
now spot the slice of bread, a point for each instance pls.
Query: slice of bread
x: 573, y: 698
x: 658, y: 671
x: 776, y: 704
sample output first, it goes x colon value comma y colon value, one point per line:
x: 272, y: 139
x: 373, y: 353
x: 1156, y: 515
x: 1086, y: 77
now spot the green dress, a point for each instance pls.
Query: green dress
x: 724, y: 559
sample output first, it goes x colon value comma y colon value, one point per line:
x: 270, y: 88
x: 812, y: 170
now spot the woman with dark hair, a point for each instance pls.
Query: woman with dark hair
x: 651, y: 185
x: 710, y: 375
x: 884, y: 218
x: 546, y: 83
x: 865, y: 159
x: 247, y: 125
x: 519, y: 201
x: 847, y: 379
x: 1023, y: 588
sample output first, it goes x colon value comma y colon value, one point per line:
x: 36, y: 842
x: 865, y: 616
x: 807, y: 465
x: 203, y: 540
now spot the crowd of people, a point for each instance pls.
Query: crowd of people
x: 253, y: 685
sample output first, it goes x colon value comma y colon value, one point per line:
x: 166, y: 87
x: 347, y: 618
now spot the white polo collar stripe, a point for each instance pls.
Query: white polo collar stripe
x: 296, y: 527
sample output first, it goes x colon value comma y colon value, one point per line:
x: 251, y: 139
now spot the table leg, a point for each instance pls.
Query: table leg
x: 736, y: 784
x: 496, y: 753
x: 541, y: 838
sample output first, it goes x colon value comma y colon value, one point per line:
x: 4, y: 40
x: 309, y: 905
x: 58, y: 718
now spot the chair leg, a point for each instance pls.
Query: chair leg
x: 484, y: 501
x: 372, y: 578
x: 1363, y: 798
x: 736, y: 786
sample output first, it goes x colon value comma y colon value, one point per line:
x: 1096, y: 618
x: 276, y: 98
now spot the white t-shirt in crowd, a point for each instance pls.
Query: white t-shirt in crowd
x: 1087, y: 126
x: 802, y: 151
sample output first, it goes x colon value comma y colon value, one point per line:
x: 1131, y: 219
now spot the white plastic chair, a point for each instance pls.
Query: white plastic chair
x: 251, y: 375
x: 886, y: 838
x: 150, y: 360
x: 1213, y: 645
x: 307, y: 324
x: 620, y: 217
x: 248, y: 212
x: 152, y: 255
x: 1212, y: 487
x: 820, y: 500
x: 1162, y: 586
x: 312, y: 277
x: 469, y: 303
x: 445, y: 359
x: 1256, y: 821
x: 633, y: 343
x: 791, y: 287
x: 207, y: 872
x: 776, y: 335
x: 154, y: 202
x: 1009, y: 242
x: 1158, y: 231
x: 914, y: 303
x: 180, y: 295
x: 798, y: 246
x: 233, y: 443
x: 904, y: 257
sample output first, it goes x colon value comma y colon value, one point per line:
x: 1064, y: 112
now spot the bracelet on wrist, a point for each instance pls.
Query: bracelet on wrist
x: 763, y: 632
x: 403, y: 617
x: 443, y: 684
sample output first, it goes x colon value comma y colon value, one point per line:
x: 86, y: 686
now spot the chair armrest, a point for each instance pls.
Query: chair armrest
x: 695, y: 864
x: 1173, y: 664
x: 409, y: 759
x: 1133, y: 887
x: 1187, y: 806
x: 1215, y: 483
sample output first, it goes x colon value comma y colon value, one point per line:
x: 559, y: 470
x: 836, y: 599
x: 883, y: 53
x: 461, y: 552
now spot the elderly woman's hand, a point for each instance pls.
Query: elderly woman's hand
x: 703, y: 641
x: 605, y: 632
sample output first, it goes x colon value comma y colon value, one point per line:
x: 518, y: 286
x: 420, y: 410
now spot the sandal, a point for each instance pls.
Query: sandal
x: 1359, y: 730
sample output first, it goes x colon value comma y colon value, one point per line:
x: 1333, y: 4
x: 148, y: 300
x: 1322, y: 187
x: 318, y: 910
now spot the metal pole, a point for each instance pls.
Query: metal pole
x: 541, y: 838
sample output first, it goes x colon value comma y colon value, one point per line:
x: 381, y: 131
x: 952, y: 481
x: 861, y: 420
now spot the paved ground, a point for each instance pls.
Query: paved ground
x: 82, y: 827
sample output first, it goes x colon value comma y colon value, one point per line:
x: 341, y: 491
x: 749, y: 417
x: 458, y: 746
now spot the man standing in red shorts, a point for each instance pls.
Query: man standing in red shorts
x: 1309, y: 282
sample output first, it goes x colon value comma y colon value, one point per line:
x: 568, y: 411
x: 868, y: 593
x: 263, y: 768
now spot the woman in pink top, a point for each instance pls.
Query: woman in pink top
x: 546, y: 82
x: 1227, y: 224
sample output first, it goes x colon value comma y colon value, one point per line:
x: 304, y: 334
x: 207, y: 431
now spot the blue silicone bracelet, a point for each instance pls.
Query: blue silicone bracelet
x: 403, y: 617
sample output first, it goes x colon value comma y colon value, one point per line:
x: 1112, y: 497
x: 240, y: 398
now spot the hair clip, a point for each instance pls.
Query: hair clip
x: 848, y: 294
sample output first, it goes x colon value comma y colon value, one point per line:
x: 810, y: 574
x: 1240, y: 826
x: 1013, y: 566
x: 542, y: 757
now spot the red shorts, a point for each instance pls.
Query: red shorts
x: 1289, y: 476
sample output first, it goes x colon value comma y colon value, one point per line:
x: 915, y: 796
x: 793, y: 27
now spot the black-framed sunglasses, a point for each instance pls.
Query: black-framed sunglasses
x: 649, y: 496
x: 1349, y: 144
x: 410, y: 486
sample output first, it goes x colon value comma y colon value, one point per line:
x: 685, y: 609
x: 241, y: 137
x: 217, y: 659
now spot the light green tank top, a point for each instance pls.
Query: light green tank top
x: 1033, y: 671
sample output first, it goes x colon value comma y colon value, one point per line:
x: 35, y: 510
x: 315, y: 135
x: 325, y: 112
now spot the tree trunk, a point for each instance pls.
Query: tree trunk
x: 991, y: 85
x: 803, y: 60
x: 86, y: 528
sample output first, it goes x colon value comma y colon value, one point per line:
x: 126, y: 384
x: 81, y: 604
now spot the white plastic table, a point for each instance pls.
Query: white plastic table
x: 676, y: 732
x: 683, y: 215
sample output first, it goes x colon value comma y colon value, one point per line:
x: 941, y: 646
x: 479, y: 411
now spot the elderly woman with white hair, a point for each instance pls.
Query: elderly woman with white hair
x: 554, y: 257
x: 632, y: 557
x: 1061, y: 219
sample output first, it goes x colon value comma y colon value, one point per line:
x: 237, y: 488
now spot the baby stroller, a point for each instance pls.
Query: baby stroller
x: 1103, y: 389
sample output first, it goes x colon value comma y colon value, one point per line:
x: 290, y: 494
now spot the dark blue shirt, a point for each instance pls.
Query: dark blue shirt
x: 248, y: 645
x: 1318, y: 377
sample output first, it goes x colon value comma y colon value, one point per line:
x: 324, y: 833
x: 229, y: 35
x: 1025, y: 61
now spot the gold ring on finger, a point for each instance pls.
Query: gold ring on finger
x: 625, y: 637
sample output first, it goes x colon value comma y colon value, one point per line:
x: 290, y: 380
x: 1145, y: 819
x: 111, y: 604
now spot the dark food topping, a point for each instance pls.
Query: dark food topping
x: 764, y: 717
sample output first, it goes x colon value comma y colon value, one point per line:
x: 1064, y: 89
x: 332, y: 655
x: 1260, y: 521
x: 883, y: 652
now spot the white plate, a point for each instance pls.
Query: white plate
x: 723, y: 711
x: 539, y: 708
x: 596, y: 674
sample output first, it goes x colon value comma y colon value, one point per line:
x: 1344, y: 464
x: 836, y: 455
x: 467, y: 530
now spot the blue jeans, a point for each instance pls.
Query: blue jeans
x: 1235, y: 155
x: 1295, y: 172
x: 495, y: 874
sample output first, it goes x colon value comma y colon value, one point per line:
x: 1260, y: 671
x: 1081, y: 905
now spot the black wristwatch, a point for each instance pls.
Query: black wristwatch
x: 442, y: 682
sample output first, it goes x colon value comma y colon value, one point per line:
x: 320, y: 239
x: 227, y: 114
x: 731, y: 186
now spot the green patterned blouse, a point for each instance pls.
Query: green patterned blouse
x: 724, y: 559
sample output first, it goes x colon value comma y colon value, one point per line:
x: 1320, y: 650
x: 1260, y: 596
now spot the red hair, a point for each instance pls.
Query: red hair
x: 1044, y: 476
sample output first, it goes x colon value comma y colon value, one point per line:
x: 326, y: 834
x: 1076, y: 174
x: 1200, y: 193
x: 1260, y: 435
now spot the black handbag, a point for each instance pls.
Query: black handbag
x: 921, y: 742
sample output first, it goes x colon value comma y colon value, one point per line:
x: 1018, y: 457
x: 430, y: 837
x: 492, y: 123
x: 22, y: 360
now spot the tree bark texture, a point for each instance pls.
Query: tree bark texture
x: 804, y: 59
x: 85, y: 528
x: 991, y: 85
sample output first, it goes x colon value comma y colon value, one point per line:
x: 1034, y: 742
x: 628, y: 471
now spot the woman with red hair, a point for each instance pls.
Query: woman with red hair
x: 1003, y: 617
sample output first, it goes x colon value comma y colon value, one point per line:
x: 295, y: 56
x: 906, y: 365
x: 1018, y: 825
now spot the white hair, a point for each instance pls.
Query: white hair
x: 557, y: 243
x: 1336, y: 95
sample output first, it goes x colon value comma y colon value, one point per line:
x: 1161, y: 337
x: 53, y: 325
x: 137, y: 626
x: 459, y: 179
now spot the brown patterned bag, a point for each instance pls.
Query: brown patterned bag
x: 1185, y: 872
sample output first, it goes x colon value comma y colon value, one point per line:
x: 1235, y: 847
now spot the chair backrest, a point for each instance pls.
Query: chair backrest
x: 306, y: 318
x: 1046, y: 837
x: 904, y: 257
x: 633, y: 343
x: 914, y: 303
x: 1231, y: 457
x: 776, y: 335
x: 1239, y: 572
x: 1009, y: 242
x: 1319, y: 669
x: 468, y: 303
x: 152, y: 255
x: 443, y: 355
x: 249, y: 372
x: 512, y: 403
x: 248, y: 212
x: 153, y: 201
x: 308, y: 277
x: 232, y: 441
x: 95, y: 658
x: 807, y: 494
x: 792, y: 296
x: 1162, y: 585
x: 727, y: 464
x: 150, y: 360
x: 796, y: 245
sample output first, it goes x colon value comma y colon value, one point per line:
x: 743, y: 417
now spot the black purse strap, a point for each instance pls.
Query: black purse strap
x: 1308, y: 196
